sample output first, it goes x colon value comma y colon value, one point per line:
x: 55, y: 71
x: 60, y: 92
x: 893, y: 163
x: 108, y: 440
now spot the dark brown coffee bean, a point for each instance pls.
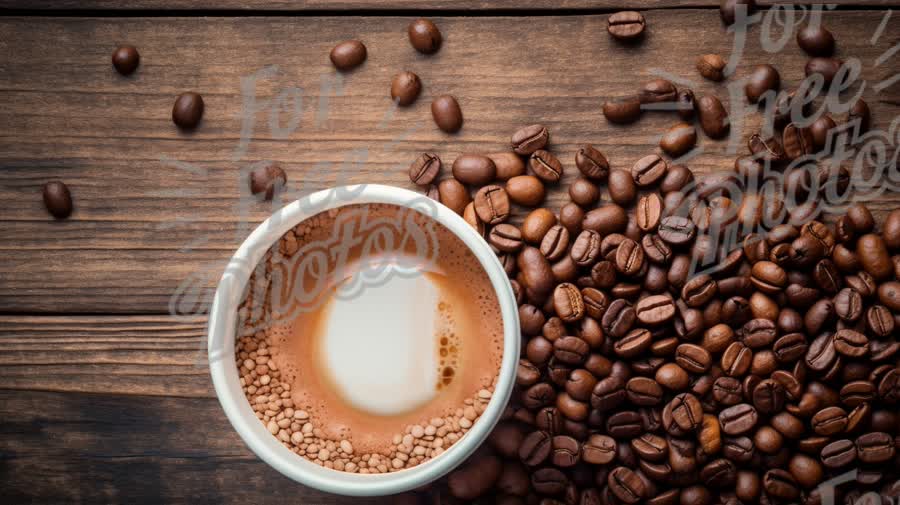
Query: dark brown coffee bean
x: 546, y: 166
x: 728, y: 9
x: 508, y: 164
x: 655, y: 310
x: 768, y: 149
x: 530, y: 138
x: 875, y: 448
x: 446, y: 113
x: 584, y: 192
x: 608, y: 394
x: 880, y: 321
x: 454, y: 195
x: 492, y: 204
x: 790, y: 347
x: 626, y: 486
x: 762, y: 79
x: 525, y: 190
x: 699, y: 290
x: 618, y: 319
x: 815, y: 40
x: 658, y: 90
x: 506, y: 238
x: 643, y: 391
x: 267, y: 180
x: 656, y: 249
x: 848, y: 305
x: 738, y: 449
x: 57, y: 199
x: 405, y: 88
x: 851, y: 343
x: 713, y: 117
x: 826, y: 67
x: 626, y: 25
x: 738, y: 419
x: 769, y: 397
x: 633, y: 344
x: 527, y: 373
x: 676, y: 230
x: 535, y: 448
x: 555, y: 243
x: 889, y: 295
x: 571, y: 350
x: 126, y: 59
x: 606, y: 219
x: 580, y: 385
x: 736, y: 359
x: 188, y: 110
x: 566, y: 451
x: 348, y: 55
x: 891, y: 230
x: 679, y: 139
x: 693, y: 358
x: 820, y: 129
x: 586, y: 248
x: 474, y: 169
x: 629, y: 257
x: 425, y: 169
x: 821, y: 354
x: 549, y: 481
x: 536, y: 224
x: 829, y: 421
x: 873, y: 255
x: 570, y: 408
x: 727, y: 391
x: 599, y: 450
x: 424, y: 36
x: 797, y: 141
x: 592, y: 163
x: 648, y: 170
x: 683, y: 413
x: 711, y: 66
x: 780, y: 484
x: 622, y: 110
x: 568, y: 304
x: 839, y: 453
x: 537, y: 276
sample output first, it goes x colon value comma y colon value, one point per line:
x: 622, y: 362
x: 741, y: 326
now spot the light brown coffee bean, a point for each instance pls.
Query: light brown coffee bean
x: 474, y: 169
x: 592, y: 163
x: 492, y: 204
x: 454, y: 195
x: 525, y: 190
x: 546, y: 166
x: 536, y: 225
x: 530, y: 138
x: 447, y: 114
x: 425, y: 169
x: 711, y: 66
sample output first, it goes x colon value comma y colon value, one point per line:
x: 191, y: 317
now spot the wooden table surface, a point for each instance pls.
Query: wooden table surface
x: 104, y: 393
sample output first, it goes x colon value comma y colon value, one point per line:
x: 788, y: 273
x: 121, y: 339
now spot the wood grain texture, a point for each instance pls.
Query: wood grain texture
x: 388, y: 5
x: 142, y: 224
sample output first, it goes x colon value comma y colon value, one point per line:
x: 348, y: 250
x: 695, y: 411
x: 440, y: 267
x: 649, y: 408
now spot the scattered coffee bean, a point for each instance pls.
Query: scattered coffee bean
x: 267, y: 180
x: 826, y: 67
x: 679, y: 139
x: 525, y: 190
x: 425, y: 169
x: 592, y: 163
x: 57, y: 199
x: 712, y: 67
x: 729, y: 8
x: 492, y: 204
x: 584, y: 192
x: 424, y: 36
x: 713, y: 116
x: 188, y: 110
x: 405, y: 88
x: 126, y: 59
x: 623, y: 110
x: 658, y: 90
x: 529, y: 139
x: 546, y: 166
x: 474, y: 169
x: 626, y: 25
x: 447, y: 114
x: 454, y: 195
x: 859, y: 113
x: 815, y: 40
x: 762, y: 79
x: 348, y: 55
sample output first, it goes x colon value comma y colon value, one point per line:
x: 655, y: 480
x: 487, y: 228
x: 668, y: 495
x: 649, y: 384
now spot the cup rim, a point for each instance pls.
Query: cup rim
x: 226, y: 381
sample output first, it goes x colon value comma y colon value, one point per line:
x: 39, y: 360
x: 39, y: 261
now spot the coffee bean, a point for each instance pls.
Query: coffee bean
x: 592, y: 163
x: 676, y: 230
x: 618, y: 319
x: 829, y: 421
x: 839, y: 453
x: 626, y: 485
x: 622, y: 110
x: 555, y: 243
x: 738, y: 449
x: 405, y: 88
x: 446, y: 113
x: 713, y: 117
x: 568, y: 304
x: 699, y: 290
x: 859, y: 113
x: 570, y: 408
x: 655, y: 310
x: 643, y: 391
x: 683, y: 413
x: 762, y: 79
x: 797, y: 141
x: 525, y: 190
x: 820, y: 129
x: 629, y: 257
x: 889, y: 295
x: 649, y: 170
x: 126, y: 59
x: 586, y: 248
x: 685, y: 103
x: 738, y: 419
x: 873, y: 256
x: 851, y: 343
x: 188, y: 110
x: 679, y: 139
x: 580, y: 385
x: 634, y: 343
x: 880, y: 321
x: 571, y: 350
x: 780, y: 484
x: 584, y: 192
x: 657, y: 91
x: 57, y: 199
x: 527, y: 373
x: 529, y: 139
x: 656, y: 250
x: 348, y: 55
x: 606, y: 219
x: 770, y: 149
x: 566, y: 451
x: 506, y: 238
x: 535, y: 448
x: 454, y: 195
x: 728, y: 9
x: 549, y: 481
x: 492, y: 204
x: 267, y: 180
x: 599, y: 450
x: 826, y: 67
x: 711, y: 66
x: 815, y: 40
x: 474, y: 169
x: 546, y: 166
x: 626, y: 25
x: 425, y: 169
x: 424, y: 36
x: 875, y: 448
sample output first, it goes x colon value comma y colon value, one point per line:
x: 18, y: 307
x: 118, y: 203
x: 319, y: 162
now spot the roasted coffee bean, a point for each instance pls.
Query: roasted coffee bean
x: 537, y: 276
x: 768, y: 277
x: 851, y: 343
x: 672, y: 377
x: 566, y: 451
x: 569, y: 306
x: 571, y: 216
x: 658, y: 90
x: 767, y: 149
x: 626, y: 486
x: 736, y: 359
x: 693, y: 358
x: 425, y: 169
x: 549, y: 481
x: 656, y: 249
x: 769, y: 397
x: 580, y: 385
x: 780, y: 484
x: 549, y: 420
x: 626, y: 25
x: 719, y: 473
x: 606, y: 219
x: 821, y: 354
x: 57, y: 199
x: 727, y: 391
x: 446, y: 113
x: 713, y: 116
x: 648, y: 170
x: 570, y: 408
x: 838, y: 454
x: 546, y: 166
x: 629, y: 257
x: 829, y: 421
x: 820, y: 129
x: 880, y: 321
x: 650, y: 447
x: 826, y: 67
x: 505, y: 237
x: 699, y: 290
x: 608, y: 394
x: 555, y: 243
x: 622, y: 110
x: 492, y: 204
x: 738, y: 449
x: 891, y: 230
x: 599, y: 450
x: 789, y: 348
x: 875, y: 448
x: 711, y: 66
x: 508, y: 164
x: 643, y: 391
x: 797, y: 141
x: 848, y: 305
x: 655, y: 310
x: 126, y: 59
x: 535, y: 448
x: 584, y: 192
x: 525, y: 190
x: 634, y: 343
x: 586, y: 248
x: 676, y: 230
x: 188, y: 110
x: 405, y: 88
x: 762, y: 79
x: 424, y: 36
x: 889, y: 295
x: 683, y: 413
x: 738, y: 419
x: 267, y: 180
x: 529, y: 139
x: 815, y: 40
x: 618, y: 319
x: 729, y: 9
x: 454, y: 195
x: 474, y: 169
x: 873, y: 256
x: 538, y: 395
x: 679, y: 139
x: 348, y: 55
x: 536, y: 224
x: 592, y: 163
x: 527, y: 373
x: 571, y: 350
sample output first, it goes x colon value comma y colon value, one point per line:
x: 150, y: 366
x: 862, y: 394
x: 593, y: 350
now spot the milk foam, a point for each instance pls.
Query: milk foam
x: 389, y: 367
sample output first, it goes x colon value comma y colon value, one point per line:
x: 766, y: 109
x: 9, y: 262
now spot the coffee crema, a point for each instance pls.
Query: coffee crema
x: 369, y: 331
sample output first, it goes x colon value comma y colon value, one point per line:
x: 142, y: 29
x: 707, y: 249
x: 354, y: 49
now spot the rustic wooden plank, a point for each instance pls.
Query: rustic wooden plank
x: 387, y: 5
x: 142, y: 226
x: 108, y: 448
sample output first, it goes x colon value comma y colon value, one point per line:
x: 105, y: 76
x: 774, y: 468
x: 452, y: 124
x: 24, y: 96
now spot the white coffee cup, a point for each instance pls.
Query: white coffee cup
x: 223, y: 321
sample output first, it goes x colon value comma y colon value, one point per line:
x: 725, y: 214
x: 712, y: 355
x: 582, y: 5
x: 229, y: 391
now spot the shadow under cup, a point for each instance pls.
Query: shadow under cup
x: 231, y: 313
